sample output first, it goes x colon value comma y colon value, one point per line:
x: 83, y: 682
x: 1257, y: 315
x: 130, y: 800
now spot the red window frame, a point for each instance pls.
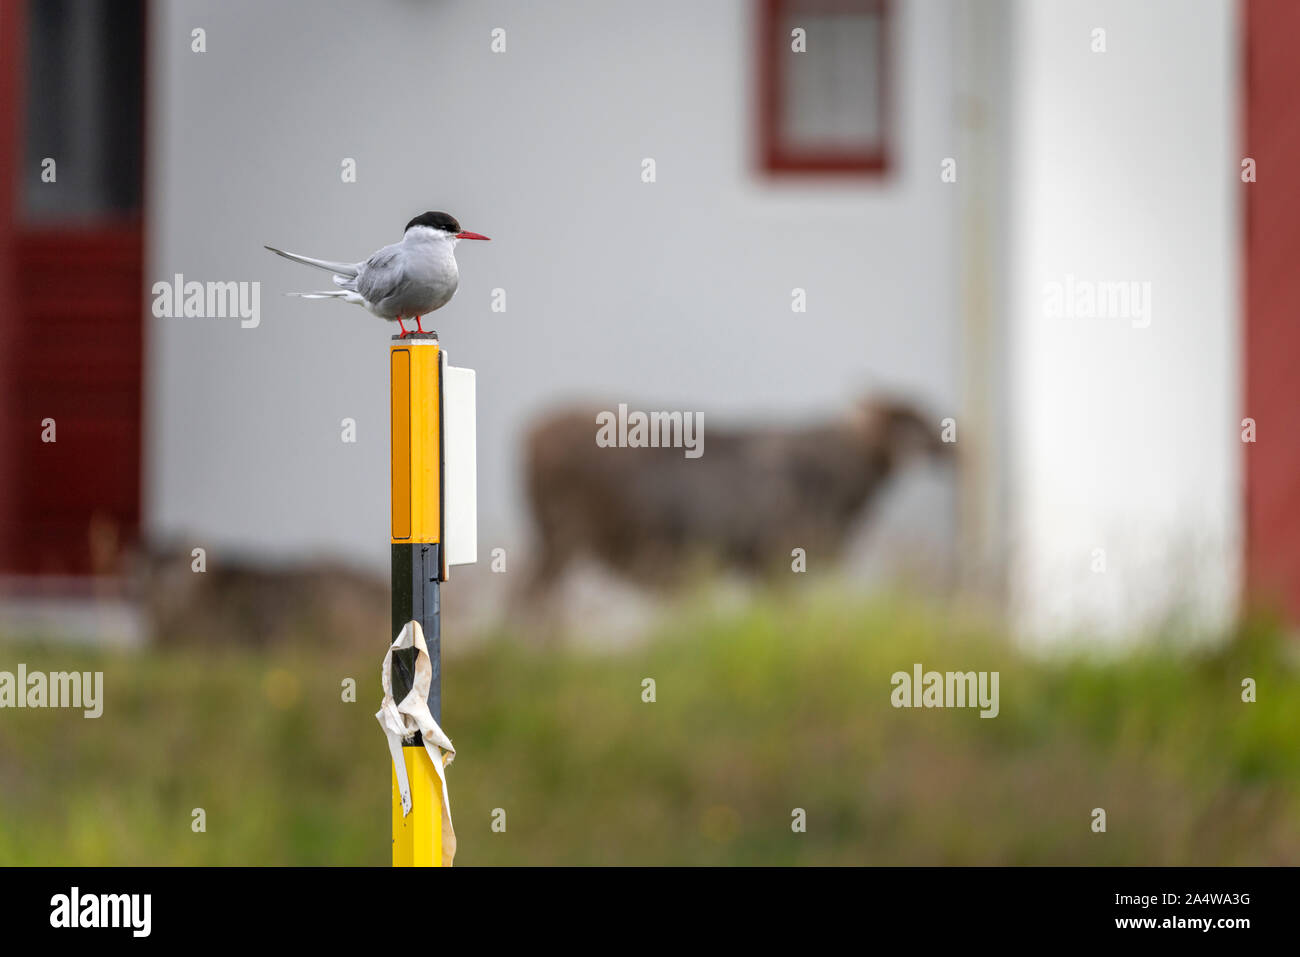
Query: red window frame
x: 779, y: 157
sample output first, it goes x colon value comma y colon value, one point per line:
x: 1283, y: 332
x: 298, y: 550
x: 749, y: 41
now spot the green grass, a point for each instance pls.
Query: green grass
x: 758, y: 712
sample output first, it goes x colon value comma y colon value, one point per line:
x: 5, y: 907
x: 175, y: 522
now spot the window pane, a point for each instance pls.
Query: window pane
x: 832, y: 94
x: 84, y: 104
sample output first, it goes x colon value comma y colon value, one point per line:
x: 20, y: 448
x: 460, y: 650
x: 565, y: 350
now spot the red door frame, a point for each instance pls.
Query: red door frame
x: 12, y: 25
x: 1272, y: 306
x: 71, y: 348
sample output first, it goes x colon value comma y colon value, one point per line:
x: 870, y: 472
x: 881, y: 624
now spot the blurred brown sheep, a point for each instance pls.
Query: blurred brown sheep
x: 750, y: 498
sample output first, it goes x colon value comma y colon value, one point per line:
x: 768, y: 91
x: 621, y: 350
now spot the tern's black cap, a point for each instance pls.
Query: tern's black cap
x: 443, y: 221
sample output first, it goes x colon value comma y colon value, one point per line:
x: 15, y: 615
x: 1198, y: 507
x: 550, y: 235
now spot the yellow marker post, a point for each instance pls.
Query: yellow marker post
x: 418, y: 568
x: 417, y: 837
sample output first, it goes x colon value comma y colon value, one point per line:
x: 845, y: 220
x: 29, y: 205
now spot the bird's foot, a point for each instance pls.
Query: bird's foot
x: 419, y: 328
x: 402, y: 327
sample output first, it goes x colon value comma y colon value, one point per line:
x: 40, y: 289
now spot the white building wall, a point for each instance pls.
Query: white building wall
x: 675, y: 294
x: 1125, y: 438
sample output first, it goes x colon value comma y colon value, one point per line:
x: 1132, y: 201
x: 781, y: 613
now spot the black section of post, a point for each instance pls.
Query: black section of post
x: 430, y: 618
x: 417, y: 567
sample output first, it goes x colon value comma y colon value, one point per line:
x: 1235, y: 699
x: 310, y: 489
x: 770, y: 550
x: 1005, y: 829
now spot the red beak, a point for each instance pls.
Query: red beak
x: 469, y: 235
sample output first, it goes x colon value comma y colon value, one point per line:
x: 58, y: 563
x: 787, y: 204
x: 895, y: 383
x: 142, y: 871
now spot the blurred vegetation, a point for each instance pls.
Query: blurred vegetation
x: 776, y: 706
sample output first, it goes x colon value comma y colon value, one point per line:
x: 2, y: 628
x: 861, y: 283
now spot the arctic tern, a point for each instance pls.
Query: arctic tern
x: 407, y: 280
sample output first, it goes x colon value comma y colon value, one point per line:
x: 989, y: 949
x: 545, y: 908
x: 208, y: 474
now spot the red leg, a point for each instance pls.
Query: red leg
x: 402, y: 327
x: 418, y: 327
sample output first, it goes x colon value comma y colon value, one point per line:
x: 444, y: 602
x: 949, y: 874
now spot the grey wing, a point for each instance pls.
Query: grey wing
x: 383, y: 276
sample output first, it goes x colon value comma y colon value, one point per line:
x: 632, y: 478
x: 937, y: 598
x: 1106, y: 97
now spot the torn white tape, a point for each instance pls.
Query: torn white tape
x: 402, y: 719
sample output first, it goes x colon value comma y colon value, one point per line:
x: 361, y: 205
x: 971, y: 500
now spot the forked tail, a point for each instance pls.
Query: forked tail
x: 346, y: 295
x: 349, y: 270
